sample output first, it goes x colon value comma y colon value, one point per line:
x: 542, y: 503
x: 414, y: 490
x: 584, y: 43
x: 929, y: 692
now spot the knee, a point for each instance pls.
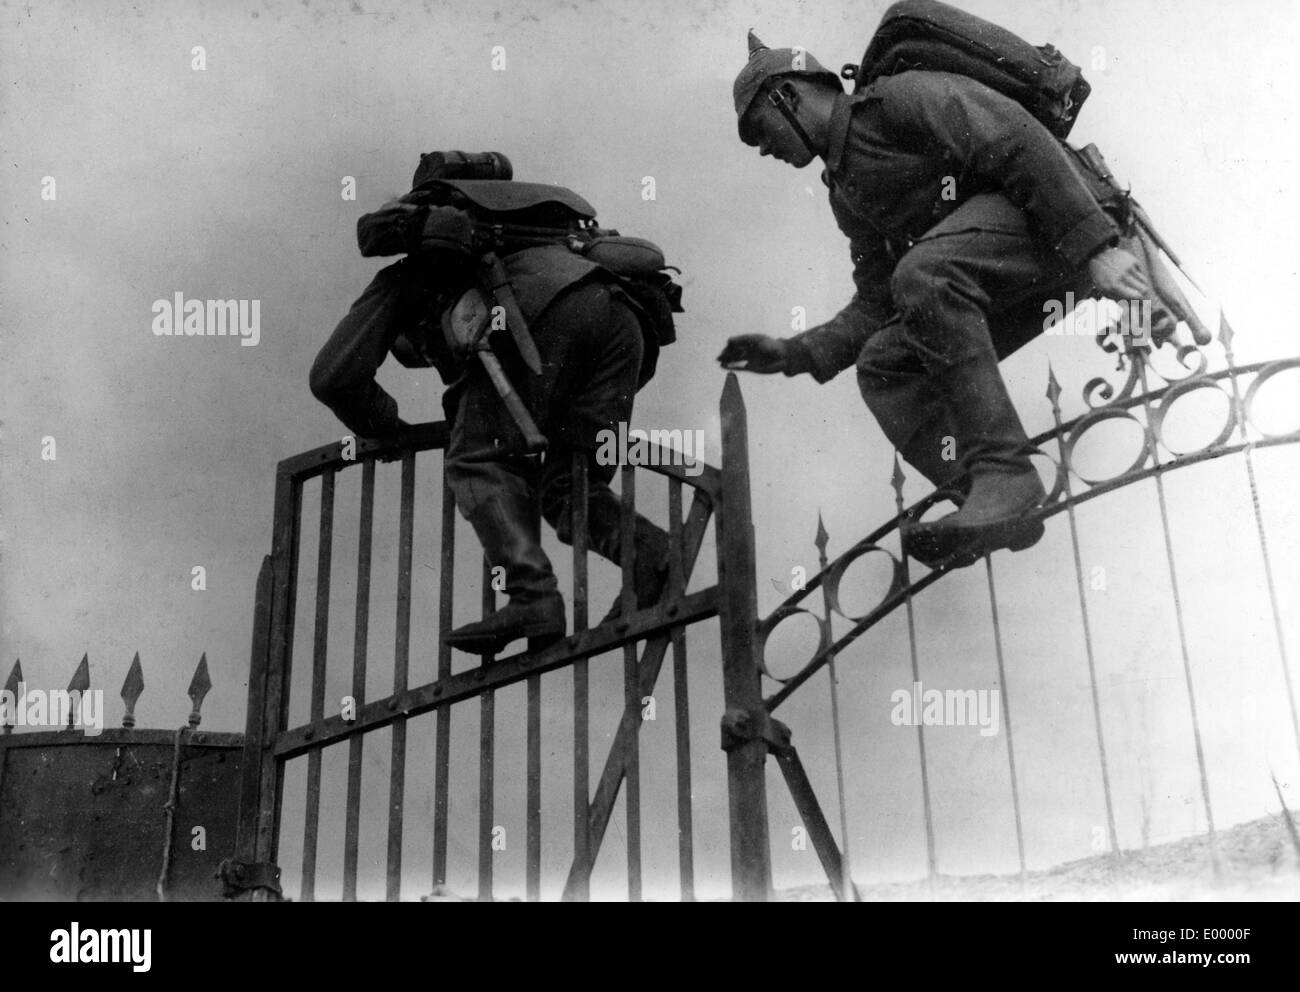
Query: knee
x: 322, y: 379
x: 918, y: 275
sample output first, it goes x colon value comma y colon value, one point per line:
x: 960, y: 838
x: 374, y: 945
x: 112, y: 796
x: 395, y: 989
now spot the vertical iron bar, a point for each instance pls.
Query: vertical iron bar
x: 751, y: 856
x: 846, y: 882
x: 286, y: 531
x: 656, y: 649
x: 401, y: 665
x: 352, y: 831
x: 324, y: 555
x: 631, y: 685
x: 681, y: 697
x: 533, y: 857
x: 442, y: 764
x: 1225, y: 338
x: 1140, y: 358
x: 931, y: 858
x: 487, y: 729
x: 581, y: 733
x: 1054, y: 394
x: 250, y: 785
x: 1006, y: 716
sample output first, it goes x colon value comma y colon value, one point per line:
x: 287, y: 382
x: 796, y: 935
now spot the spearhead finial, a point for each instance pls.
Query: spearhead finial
x: 132, y: 689
x: 1226, y: 334
x: 79, y: 684
x: 898, y: 478
x: 1053, y: 389
x: 12, y: 686
x: 755, y: 46
x: 822, y: 537
x: 199, y: 686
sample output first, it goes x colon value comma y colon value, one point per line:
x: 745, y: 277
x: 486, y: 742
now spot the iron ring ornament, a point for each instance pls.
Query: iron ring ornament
x: 1091, y: 420
x: 833, y: 576
x: 1171, y: 395
x: 1263, y: 376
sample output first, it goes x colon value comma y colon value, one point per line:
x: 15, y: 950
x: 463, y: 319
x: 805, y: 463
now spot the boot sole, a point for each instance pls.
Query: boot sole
x: 539, y: 636
x: 933, y: 547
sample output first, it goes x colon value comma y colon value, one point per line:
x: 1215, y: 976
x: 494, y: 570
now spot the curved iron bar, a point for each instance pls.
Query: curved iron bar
x: 1067, y: 435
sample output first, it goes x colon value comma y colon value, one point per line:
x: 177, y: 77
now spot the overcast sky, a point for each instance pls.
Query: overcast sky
x: 225, y: 184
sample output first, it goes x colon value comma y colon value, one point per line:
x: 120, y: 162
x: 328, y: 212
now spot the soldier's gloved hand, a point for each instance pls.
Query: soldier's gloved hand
x: 754, y: 353
x: 1119, y: 275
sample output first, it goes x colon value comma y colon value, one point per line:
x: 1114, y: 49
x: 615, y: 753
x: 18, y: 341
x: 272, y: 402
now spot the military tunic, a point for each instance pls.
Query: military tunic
x: 962, y: 213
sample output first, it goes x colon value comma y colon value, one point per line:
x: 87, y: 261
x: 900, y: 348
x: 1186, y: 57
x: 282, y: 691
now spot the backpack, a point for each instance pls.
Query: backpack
x: 929, y: 35
x: 494, y: 213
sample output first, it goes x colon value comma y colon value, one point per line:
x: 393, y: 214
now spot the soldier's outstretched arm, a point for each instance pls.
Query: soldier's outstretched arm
x: 343, y: 374
x: 997, y: 140
x: 828, y: 349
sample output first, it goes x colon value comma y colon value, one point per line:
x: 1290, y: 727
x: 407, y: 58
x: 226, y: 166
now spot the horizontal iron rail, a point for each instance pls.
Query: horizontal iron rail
x: 432, y: 436
x: 120, y: 736
x: 693, y: 608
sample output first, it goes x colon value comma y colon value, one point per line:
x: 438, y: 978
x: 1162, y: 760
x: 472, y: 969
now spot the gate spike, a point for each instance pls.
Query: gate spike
x: 199, y: 686
x: 132, y: 689
x: 1226, y: 335
x: 897, y: 479
x: 81, y: 677
x: 1053, y: 388
x: 11, y: 686
x: 822, y: 537
x: 79, y: 684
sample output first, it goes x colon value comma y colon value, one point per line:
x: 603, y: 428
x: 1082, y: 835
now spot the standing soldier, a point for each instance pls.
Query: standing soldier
x: 964, y: 215
x: 597, y: 337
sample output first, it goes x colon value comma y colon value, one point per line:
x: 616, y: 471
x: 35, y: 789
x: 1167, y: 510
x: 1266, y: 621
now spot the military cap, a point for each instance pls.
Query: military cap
x: 768, y: 63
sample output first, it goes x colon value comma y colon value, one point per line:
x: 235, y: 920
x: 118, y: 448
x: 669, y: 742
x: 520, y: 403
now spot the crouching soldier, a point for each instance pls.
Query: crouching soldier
x: 964, y: 215
x: 582, y: 340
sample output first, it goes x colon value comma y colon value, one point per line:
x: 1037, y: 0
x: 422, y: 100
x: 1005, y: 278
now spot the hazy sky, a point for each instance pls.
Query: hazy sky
x: 225, y: 184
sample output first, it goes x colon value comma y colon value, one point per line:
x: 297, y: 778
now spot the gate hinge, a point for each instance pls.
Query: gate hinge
x: 243, y: 876
x: 739, y: 727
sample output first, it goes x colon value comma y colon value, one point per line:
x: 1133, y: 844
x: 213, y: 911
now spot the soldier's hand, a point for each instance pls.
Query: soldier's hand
x: 754, y: 353
x: 1119, y: 275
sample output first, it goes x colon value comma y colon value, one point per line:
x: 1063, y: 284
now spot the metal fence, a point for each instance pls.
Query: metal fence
x: 643, y: 637
x: 749, y: 730
x: 91, y: 813
x: 1140, y: 401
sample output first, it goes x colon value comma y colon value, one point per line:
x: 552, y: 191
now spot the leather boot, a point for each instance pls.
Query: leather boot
x: 1005, y: 486
x: 650, y: 550
x: 508, y: 527
x: 916, y: 420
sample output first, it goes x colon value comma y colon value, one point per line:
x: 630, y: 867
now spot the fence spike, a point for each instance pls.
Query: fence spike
x: 12, y: 686
x: 822, y: 537
x: 132, y: 689
x: 1053, y: 388
x: 199, y: 686
x: 79, y: 684
x: 897, y: 479
x: 1226, y: 334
